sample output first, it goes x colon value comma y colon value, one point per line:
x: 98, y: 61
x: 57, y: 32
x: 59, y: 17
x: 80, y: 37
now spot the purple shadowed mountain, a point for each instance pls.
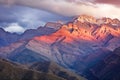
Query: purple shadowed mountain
x: 78, y: 45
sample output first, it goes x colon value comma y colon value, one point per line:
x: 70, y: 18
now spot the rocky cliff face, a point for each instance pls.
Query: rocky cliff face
x: 68, y: 41
x: 80, y: 44
x: 54, y: 25
x: 83, y: 27
x: 77, y: 45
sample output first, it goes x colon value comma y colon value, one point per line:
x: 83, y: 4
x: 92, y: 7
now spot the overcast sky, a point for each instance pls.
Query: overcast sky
x: 19, y: 15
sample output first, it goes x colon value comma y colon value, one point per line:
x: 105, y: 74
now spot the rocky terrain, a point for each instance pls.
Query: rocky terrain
x: 36, y: 71
x: 10, y: 71
x: 78, y: 45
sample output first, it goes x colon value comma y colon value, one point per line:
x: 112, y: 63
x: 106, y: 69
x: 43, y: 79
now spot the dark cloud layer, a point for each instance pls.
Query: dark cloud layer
x: 71, y: 7
x: 31, y: 14
x: 114, y: 2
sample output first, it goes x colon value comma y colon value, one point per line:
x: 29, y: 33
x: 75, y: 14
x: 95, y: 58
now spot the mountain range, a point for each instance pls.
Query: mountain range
x: 86, y: 46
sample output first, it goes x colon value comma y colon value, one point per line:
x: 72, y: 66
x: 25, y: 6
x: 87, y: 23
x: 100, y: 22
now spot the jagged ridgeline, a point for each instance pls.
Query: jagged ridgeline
x: 77, y: 46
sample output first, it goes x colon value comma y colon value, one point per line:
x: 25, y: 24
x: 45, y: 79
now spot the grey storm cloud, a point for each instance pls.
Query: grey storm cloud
x: 33, y: 13
x: 97, y: 8
x: 113, y: 2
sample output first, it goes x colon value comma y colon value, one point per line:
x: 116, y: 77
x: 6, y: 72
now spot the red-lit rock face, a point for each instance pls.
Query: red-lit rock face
x: 83, y: 40
x: 86, y: 28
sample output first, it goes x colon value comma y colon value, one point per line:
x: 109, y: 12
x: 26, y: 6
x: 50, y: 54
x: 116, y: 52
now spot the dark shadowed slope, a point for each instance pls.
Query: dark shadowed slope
x: 54, y: 68
x: 10, y: 71
x: 13, y: 71
x: 109, y: 67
